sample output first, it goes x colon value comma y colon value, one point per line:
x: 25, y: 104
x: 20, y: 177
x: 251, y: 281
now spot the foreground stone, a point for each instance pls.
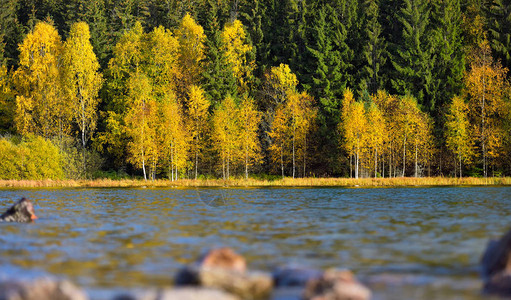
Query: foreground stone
x: 293, y: 276
x: 224, y: 269
x: 496, y: 266
x: 40, y: 289
x: 224, y: 258
x: 179, y: 294
x: 336, y: 285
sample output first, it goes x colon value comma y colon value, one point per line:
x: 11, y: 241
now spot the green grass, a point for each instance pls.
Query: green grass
x: 269, y: 182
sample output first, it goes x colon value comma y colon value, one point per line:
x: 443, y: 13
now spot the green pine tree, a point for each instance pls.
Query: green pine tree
x: 11, y: 33
x: 500, y: 30
x: 328, y: 81
x: 374, y: 49
x: 218, y: 80
x: 449, y: 65
x: 94, y: 13
x: 331, y: 64
x: 412, y: 59
x: 251, y: 15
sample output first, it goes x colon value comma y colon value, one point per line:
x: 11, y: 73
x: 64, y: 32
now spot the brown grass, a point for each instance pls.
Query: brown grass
x: 286, y: 182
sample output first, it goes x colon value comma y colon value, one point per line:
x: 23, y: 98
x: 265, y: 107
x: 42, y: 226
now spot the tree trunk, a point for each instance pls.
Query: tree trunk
x: 196, y: 157
x: 246, y: 162
x: 282, y: 162
x: 455, y: 167
x: 484, y: 160
x: 294, y: 154
x: 351, y: 166
x: 304, y: 154
x: 143, y: 168
x: 460, y: 168
x: 356, y: 162
x: 375, y: 162
x: 172, y: 161
x: 404, y: 157
x: 383, y: 165
x: 223, y: 165
x: 416, y: 164
x: 228, y: 164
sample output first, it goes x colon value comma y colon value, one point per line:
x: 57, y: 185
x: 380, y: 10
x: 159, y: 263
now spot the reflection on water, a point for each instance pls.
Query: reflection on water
x: 416, y: 243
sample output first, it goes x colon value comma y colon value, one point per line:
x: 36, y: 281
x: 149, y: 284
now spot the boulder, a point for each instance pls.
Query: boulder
x: 336, y: 285
x: 224, y: 258
x: 294, y: 276
x: 496, y: 266
x: 41, y: 289
x: 224, y: 269
x: 179, y: 294
x: 498, y: 284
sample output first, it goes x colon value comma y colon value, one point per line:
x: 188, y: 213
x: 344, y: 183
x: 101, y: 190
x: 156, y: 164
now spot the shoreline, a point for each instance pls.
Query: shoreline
x: 286, y: 182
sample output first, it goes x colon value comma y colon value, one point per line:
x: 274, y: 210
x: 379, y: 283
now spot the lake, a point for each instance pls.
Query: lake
x: 405, y: 243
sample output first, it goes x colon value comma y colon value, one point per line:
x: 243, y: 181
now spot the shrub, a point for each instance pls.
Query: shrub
x: 9, y: 162
x: 32, y: 158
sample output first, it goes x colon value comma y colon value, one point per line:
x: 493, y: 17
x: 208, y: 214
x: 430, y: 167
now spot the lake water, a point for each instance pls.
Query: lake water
x: 405, y: 243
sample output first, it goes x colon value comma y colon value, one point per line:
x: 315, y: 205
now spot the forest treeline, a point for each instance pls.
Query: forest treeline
x: 221, y: 88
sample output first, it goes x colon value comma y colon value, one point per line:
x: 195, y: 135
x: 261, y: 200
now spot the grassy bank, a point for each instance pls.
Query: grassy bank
x: 286, y: 182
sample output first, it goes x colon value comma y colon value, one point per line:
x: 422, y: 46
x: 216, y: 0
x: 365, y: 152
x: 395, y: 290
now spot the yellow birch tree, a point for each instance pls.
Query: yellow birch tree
x: 376, y: 135
x: 236, y: 51
x: 485, y: 86
x: 127, y: 60
x: 389, y: 106
x: 305, y: 125
x: 279, y: 134
x: 226, y: 134
x: 81, y: 80
x: 40, y: 107
x: 422, y: 138
x: 141, y: 123
x: 406, y: 119
x: 280, y: 86
x: 161, y: 61
x: 458, y: 136
x: 249, y: 119
x: 353, y: 126
x: 191, y: 39
x: 198, y: 106
x: 300, y: 112
x: 173, y: 137
x: 280, y: 82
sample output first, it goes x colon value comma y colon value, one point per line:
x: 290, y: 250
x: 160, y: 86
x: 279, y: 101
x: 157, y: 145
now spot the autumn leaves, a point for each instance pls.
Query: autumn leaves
x: 291, y: 117
x: 57, y: 84
x: 178, y: 104
x: 385, y: 134
x: 159, y: 103
x: 476, y: 120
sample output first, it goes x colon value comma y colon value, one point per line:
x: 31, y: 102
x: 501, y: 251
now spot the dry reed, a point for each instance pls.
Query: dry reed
x: 286, y: 182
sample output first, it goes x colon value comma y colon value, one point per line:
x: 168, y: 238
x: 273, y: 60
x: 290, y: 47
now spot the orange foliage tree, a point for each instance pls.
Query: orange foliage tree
x: 458, y: 132
x: 485, y: 87
x: 292, y: 120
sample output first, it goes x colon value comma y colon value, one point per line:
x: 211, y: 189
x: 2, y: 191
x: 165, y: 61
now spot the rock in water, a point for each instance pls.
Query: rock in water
x: 336, y: 285
x: 226, y: 270
x: 41, y: 289
x: 496, y: 266
x: 21, y: 211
